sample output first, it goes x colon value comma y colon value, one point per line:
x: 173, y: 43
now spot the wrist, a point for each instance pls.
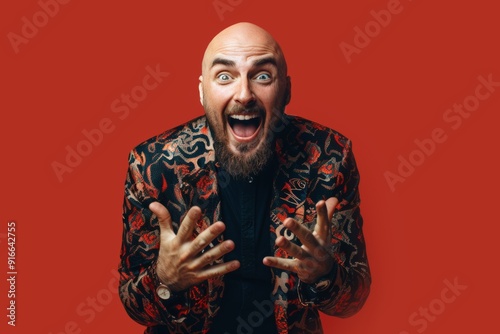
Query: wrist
x: 177, y: 304
x: 162, y: 288
x: 161, y: 276
x: 319, y: 291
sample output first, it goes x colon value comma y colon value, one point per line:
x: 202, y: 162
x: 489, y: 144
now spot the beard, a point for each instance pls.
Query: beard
x: 243, y: 163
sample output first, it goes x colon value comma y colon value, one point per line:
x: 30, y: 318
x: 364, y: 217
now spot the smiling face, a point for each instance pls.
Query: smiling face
x: 244, y: 89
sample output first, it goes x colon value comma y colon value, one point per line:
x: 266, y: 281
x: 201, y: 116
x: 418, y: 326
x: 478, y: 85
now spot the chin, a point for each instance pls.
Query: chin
x: 245, y: 149
x: 243, y: 159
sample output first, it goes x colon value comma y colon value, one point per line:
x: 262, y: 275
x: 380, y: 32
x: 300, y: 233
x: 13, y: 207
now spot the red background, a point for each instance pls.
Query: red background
x: 437, y: 225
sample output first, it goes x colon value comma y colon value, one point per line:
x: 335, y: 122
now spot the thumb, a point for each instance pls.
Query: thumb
x: 164, y: 218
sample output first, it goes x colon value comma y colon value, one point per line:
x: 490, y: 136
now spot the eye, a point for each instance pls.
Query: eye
x: 263, y: 76
x: 223, y: 77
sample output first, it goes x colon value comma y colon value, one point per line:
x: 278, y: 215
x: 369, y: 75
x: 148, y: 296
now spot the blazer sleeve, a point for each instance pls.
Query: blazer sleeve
x: 351, y: 273
x: 139, y: 252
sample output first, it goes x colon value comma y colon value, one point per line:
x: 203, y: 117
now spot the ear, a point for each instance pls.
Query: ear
x: 200, y: 88
x: 288, y: 90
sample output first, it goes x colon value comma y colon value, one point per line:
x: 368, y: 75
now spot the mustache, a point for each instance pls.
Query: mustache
x: 239, y: 109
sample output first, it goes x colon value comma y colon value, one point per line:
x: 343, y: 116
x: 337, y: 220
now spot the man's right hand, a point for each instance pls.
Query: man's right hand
x: 181, y: 263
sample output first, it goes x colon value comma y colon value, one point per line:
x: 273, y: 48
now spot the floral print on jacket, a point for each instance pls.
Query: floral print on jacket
x: 179, y: 169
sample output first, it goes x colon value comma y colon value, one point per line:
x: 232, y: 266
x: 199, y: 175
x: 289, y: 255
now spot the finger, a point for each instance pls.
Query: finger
x: 305, y: 236
x: 311, y: 244
x: 206, y: 237
x: 164, y: 218
x: 331, y: 204
x: 307, y: 270
x: 291, y: 248
x: 188, y: 224
x: 218, y: 270
x: 325, y: 211
x: 280, y: 263
x: 322, y: 226
x: 213, y: 254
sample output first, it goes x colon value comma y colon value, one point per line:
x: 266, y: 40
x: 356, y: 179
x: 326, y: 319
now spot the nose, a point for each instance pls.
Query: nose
x: 244, y: 94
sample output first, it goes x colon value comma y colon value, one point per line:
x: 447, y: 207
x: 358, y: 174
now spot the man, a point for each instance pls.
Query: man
x: 229, y: 222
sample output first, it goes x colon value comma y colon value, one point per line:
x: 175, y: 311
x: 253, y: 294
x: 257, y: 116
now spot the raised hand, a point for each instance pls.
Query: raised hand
x: 312, y: 260
x: 181, y: 263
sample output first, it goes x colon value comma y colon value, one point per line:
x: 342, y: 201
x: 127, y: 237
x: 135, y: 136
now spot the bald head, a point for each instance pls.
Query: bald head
x: 244, y: 88
x: 245, y: 39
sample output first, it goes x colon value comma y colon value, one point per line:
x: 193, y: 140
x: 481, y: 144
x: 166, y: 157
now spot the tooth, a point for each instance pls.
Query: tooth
x: 244, y: 117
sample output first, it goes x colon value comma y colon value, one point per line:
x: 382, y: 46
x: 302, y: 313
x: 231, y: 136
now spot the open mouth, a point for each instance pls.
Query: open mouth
x: 245, y: 127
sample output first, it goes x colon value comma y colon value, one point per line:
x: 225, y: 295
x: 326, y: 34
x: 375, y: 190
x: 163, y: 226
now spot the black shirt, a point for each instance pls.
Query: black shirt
x: 246, y: 305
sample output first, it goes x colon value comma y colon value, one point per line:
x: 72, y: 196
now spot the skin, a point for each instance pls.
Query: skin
x: 244, y: 72
x: 180, y: 261
x: 231, y: 80
x: 311, y: 260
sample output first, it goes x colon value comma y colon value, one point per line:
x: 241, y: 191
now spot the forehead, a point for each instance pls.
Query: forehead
x: 241, y: 49
x: 235, y: 56
x: 243, y: 45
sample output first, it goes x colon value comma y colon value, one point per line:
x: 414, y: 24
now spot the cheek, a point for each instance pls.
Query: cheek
x: 270, y: 96
x: 219, y: 95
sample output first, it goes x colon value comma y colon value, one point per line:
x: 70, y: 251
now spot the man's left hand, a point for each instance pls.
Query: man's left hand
x: 312, y: 260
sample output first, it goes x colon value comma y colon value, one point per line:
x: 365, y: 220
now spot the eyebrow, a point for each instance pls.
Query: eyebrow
x: 265, y: 61
x: 258, y: 62
x: 222, y: 61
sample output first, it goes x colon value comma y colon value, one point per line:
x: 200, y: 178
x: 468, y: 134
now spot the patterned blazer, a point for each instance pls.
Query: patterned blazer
x: 178, y: 168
